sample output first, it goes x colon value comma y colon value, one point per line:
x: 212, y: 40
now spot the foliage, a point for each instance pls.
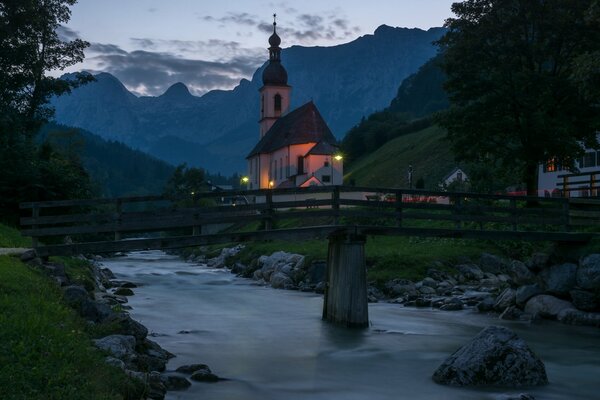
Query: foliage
x: 44, y: 348
x: 514, y: 103
x: 186, y: 183
x: 11, y: 237
x: 30, y: 47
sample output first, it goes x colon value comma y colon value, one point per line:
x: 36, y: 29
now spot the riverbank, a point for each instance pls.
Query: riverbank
x: 542, y: 286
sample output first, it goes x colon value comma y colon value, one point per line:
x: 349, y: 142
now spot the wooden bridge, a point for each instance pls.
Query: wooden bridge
x: 346, y: 216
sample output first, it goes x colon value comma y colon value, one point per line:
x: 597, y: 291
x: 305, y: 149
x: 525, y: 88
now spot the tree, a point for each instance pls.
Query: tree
x: 30, y: 47
x: 186, y: 184
x: 510, y: 67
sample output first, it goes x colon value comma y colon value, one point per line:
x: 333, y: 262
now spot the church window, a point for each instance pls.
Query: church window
x: 275, y: 169
x: 326, y: 163
x: 326, y: 178
x: 277, y: 102
x: 589, y: 160
x: 300, y: 165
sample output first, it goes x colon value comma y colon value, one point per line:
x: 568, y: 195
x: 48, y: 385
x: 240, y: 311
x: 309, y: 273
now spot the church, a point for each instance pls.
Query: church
x: 295, y: 148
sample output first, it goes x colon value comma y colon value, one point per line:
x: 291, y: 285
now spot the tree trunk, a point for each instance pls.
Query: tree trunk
x: 531, y: 178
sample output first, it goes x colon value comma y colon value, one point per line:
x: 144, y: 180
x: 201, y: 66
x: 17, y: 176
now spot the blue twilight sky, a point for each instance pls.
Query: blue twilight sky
x: 210, y: 44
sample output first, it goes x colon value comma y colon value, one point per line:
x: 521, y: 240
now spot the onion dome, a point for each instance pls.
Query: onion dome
x: 274, y: 73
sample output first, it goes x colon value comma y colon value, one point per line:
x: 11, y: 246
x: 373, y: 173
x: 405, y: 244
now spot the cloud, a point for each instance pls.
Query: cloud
x: 67, y: 34
x: 151, y: 73
x: 235, y: 18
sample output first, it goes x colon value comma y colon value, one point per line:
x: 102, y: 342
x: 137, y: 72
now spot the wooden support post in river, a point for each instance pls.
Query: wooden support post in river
x: 345, y: 300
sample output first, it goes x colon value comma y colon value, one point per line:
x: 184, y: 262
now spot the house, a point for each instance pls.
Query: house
x: 556, y: 180
x: 295, y: 148
x: 456, y: 177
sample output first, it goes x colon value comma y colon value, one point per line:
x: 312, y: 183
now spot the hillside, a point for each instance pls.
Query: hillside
x: 426, y: 150
x: 217, y: 130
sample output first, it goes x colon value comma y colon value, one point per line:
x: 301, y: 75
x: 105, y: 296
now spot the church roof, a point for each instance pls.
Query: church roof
x: 303, y: 125
x: 323, y: 149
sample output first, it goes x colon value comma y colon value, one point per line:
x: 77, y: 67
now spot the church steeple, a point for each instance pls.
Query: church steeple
x: 275, y: 93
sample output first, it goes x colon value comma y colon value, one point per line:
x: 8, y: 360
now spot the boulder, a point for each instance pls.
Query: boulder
x: 452, y: 304
x: 174, y: 382
x: 519, y: 273
x: 115, y: 362
x: 511, y: 313
x: 559, y: 279
x: 588, y: 274
x: 432, y: 283
x: 191, y: 368
x: 492, y: 263
x: 496, y: 356
x: 546, y: 306
x: 156, y: 388
x: 125, y: 325
x: 505, y: 299
x: 427, y: 290
x: 94, y: 311
x: 122, y: 291
x: 584, y: 300
x: 577, y: 317
x: 470, y: 271
x: 74, y: 295
x: 120, y: 346
x: 28, y: 255
x: 526, y: 292
x: 538, y: 261
x: 279, y: 280
x: 486, y: 304
x: 204, y: 375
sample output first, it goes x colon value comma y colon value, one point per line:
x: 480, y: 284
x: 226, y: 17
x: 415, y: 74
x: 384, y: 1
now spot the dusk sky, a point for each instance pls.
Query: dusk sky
x: 151, y: 44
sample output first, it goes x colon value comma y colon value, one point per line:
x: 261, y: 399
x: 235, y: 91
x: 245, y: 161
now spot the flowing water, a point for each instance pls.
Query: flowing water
x: 272, y: 344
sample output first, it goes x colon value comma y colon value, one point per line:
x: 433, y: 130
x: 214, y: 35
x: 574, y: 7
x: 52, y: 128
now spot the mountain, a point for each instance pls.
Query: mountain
x: 217, y: 130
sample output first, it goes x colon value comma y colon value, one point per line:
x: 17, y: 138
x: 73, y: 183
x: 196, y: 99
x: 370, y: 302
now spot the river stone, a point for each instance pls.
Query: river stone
x: 432, y: 283
x: 526, y: 292
x: 122, y: 291
x: 492, y: 263
x: 75, y: 295
x: 426, y: 290
x: 584, y: 300
x: 115, y: 362
x: 496, y: 356
x: 577, y: 317
x: 175, y: 382
x: 127, y: 326
x: 452, y: 304
x: 120, y: 346
x: 519, y: 273
x: 95, y: 311
x: 156, y: 388
x: 537, y: 261
x: 486, y: 304
x: 511, y: 313
x: 505, y: 299
x: 470, y: 271
x: 204, y: 375
x: 279, y: 280
x: 191, y: 368
x: 546, y: 306
x: 559, y: 279
x: 588, y: 274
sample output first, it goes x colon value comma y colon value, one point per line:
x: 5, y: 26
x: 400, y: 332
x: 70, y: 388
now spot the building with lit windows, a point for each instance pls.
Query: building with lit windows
x: 295, y: 148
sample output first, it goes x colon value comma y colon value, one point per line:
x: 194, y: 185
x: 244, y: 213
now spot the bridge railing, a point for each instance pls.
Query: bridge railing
x: 406, y: 211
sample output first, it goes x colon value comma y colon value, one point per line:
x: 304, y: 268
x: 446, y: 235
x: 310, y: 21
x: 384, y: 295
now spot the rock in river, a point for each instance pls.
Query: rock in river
x: 496, y: 356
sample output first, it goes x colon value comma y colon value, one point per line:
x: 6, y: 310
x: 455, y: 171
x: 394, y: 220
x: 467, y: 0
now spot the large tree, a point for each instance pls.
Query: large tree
x: 511, y: 66
x: 30, y: 47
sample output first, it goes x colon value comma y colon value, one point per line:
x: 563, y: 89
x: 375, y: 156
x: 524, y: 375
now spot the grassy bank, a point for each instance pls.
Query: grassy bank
x: 46, y: 350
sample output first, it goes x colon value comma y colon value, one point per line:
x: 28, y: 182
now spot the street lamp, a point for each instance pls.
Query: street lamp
x: 245, y: 181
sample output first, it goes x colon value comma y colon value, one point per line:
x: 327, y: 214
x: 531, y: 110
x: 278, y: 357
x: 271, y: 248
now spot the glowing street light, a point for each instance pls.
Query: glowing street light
x: 338, y: 157
x: 271, y: 184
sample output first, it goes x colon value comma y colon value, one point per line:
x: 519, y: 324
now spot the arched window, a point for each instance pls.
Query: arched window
x: 277, y: 102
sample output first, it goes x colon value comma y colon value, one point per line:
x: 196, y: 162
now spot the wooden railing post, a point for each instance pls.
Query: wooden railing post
x: 566, y: 191
x: 269, y: 211
x: 35, y: 213
x: 119, y: 210
x: 399, y: 208
x: 196, y: 229
x: 513, y: 213
x: 335, y: 204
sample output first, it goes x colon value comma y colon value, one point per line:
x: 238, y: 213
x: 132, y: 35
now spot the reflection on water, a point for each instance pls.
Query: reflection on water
x: 272, y: 344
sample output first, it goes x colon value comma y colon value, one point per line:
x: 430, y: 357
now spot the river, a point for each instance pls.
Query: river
x: 272, y: 344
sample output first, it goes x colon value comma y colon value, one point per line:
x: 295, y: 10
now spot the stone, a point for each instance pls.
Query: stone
x: 470, y: 271
x: 512, y: 313
x: 505, y: 299
x: 127, y: 326
x: 559, y: 279
x: 156, y: 388
x: 427, y: 290
x: 191, y: 368
x: 401, y: 288
x: 519, y: 273
x: 94, y: 311
x: 538, y: 261
x: 320, y: 288
x: 279, y: 280
x: 577, y: 317
x: 492, y: 263
x: 432, y: 283
x: 115, y: 362
x: 452, y: 305
x: 588, y: 274
x: 526, y: 292
x: 496, y: 356
x: 584, y: 300
x: 75, y: 295
x: 546, y: 306
x: 519, y: 396
x: 120, y: 346
x: 204, y: 375
x: 174, y: 382
x: 122, y: 291
x: 422, y: 302
x: 238, y: 268
x: 149, y: 363
x: 28, y: 255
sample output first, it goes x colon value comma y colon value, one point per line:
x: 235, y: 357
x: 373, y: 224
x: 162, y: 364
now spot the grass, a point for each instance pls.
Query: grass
x: 78, y: 271
x: 427, y: 151
x: 45, y: 349
x: 11, y: 237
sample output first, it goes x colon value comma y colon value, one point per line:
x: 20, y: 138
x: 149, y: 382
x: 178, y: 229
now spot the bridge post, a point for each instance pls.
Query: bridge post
x: 345, y: 300
x: 119, y: 211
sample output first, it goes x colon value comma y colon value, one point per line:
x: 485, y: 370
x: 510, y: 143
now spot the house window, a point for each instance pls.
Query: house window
x: 551, y: 166
x: 300, y: 165
x: 277, y: 102
x: 326, y: 178
x: 326, y: 163
x: 589, y: 160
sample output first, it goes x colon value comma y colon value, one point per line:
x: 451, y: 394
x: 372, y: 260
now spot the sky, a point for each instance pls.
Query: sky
x: 212, y: 44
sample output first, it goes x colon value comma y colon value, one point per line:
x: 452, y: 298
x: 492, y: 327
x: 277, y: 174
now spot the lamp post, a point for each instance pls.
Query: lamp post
x: 338, y: 157
x: 410, y: 174
x: 245, y: 181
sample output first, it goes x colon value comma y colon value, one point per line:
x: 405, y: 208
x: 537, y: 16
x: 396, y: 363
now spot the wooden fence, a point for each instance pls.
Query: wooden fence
x: 120, y: 224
